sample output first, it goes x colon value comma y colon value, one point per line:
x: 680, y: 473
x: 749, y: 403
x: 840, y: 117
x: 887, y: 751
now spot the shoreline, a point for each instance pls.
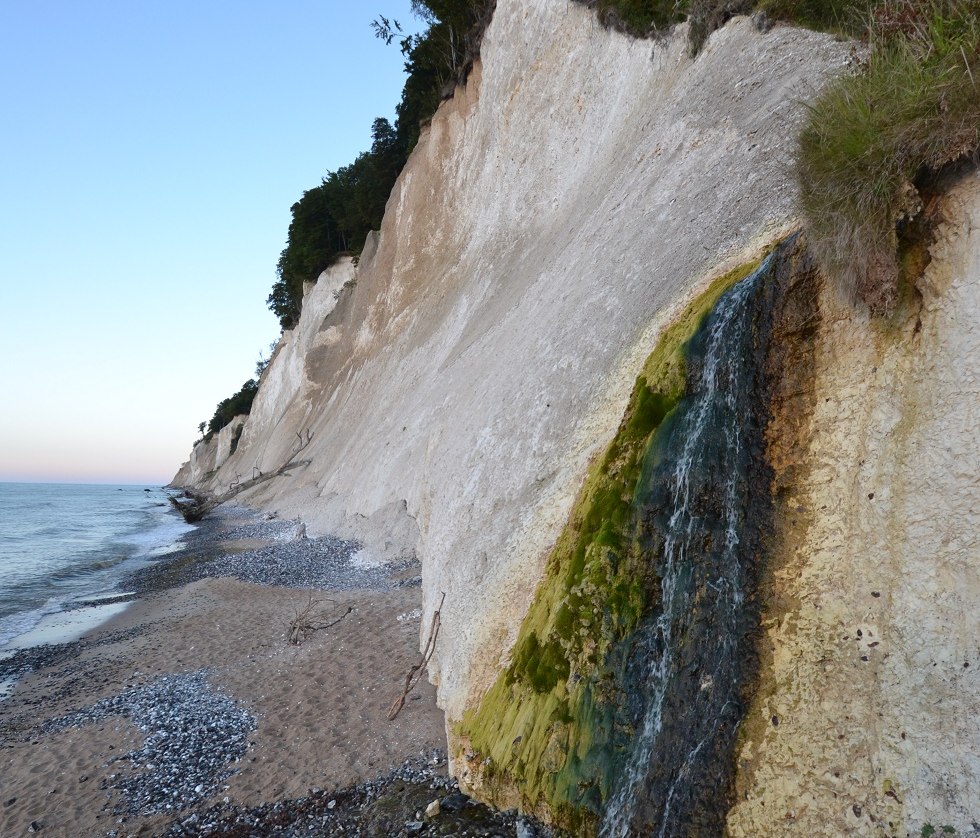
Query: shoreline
x: 78, y: 558
x: 56, y: 631
x: 189, y: 713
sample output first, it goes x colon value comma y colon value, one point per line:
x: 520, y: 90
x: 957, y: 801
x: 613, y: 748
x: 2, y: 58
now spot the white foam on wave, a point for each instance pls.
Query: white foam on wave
x: 162, y: 537
x: 21, y: 622
x: 66, y: 626
x: 160, y: 533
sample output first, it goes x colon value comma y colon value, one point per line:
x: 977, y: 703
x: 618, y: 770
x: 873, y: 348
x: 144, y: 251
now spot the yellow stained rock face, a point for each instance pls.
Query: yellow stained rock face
x: 865, y: 722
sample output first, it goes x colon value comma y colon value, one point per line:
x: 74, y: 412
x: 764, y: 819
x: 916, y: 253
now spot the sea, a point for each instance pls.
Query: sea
x: 65, y: 544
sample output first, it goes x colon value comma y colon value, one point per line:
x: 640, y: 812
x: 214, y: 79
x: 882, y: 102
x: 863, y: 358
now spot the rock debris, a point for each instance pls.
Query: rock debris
x: 391, y: 805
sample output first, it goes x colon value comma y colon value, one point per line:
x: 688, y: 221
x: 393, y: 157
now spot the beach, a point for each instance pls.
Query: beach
x: 191, y: 713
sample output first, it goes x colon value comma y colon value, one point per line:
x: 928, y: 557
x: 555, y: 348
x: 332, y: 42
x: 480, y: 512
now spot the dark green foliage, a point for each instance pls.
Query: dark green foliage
x: 648, y: 17
x: 334, y: 218
x: 237, y: 405
x: 236, y: 437
x: 845, y: 17
x: 640, y: 17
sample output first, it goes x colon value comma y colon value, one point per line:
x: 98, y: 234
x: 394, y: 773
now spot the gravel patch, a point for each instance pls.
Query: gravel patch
x: 251, y: 525
x: 292, y: 560
x: 324, y: 563
x: 193, y: 734
x: 394, y: 804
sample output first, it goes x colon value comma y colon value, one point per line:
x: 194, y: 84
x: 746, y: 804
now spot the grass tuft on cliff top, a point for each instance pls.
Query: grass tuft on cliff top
x: 644, y: 18
x: 873, y: 140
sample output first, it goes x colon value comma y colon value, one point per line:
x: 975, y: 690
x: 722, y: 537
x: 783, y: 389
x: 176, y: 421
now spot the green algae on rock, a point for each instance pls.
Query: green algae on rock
x: 549, y: 734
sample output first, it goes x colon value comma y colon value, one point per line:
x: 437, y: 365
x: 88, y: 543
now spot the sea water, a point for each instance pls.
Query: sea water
x: 61, y: 544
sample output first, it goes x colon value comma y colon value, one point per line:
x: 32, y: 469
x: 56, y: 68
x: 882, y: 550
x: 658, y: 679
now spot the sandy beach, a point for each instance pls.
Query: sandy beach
x: 190, y: 713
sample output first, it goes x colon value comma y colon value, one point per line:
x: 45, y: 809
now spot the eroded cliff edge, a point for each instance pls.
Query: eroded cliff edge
x: 567, y: 204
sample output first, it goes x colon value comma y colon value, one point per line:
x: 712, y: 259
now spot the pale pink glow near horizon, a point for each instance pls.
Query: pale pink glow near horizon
x: 102, y: 461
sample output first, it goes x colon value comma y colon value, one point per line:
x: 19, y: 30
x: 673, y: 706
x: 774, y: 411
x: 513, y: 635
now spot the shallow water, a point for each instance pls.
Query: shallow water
x: 60, y: 543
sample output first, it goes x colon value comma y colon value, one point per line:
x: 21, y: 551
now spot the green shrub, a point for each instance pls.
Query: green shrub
x: 844, y: 17
x: 334, y: 218
x: 639, y: 17
x: 237, y: 405
x: 236, y: 437
x: 646, y: 17
x: 875, y: 138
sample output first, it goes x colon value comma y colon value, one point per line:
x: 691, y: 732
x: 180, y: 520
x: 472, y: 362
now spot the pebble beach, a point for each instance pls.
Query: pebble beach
x: 192, y: 713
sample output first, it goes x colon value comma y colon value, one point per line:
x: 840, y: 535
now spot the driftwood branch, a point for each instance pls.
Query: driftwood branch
x: 416, y: 672
x: 309, y: 620
x: 195, y: 505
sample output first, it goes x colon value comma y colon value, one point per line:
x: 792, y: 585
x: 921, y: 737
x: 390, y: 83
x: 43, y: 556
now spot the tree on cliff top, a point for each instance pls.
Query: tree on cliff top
x: 237, y: 405
x: 334, y: 218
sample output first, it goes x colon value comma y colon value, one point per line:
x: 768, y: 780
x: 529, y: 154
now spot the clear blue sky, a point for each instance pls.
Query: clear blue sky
x: 149, y: 155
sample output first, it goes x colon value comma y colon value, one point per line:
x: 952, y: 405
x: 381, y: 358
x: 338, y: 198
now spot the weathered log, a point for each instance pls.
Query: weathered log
x: 195, y: 505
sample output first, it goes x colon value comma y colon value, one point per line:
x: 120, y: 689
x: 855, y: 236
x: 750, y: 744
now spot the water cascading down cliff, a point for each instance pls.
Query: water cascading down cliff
x: 692, y: 653
x: 707, y: 534
x: 621, y: 704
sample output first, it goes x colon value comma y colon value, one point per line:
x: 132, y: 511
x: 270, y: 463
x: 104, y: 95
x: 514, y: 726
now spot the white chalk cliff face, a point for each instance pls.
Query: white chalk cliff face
x: 454, y: 385
x: 207, y: 457
x: 573, y: 193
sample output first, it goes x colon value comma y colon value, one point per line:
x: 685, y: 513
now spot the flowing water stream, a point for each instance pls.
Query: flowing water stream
x: 689, y: 657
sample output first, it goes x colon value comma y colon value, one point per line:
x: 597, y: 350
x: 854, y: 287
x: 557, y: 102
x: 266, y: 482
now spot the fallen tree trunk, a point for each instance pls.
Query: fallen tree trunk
x: 193, y: 505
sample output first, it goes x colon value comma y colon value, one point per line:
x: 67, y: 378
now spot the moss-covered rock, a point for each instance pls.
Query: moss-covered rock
x: 550, y: 734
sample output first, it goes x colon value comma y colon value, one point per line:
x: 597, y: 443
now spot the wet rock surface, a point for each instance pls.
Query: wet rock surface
x: 704, y: 513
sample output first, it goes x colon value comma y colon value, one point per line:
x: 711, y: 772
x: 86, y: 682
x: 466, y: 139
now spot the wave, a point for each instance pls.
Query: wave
x: 50, y: 559
x: 21, y: 622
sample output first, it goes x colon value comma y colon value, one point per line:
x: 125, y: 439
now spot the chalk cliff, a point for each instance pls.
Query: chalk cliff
x: 453, y: 387
x: 864, y: 722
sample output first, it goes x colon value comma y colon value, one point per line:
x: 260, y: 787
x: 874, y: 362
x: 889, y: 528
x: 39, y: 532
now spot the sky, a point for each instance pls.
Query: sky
x: 149, y: 154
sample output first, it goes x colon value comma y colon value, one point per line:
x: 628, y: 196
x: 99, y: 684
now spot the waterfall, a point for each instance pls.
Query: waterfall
x: 688, y: 667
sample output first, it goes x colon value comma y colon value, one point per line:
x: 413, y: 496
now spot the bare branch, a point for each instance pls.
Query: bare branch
x: 418, y: 670
x: 307, y: 621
